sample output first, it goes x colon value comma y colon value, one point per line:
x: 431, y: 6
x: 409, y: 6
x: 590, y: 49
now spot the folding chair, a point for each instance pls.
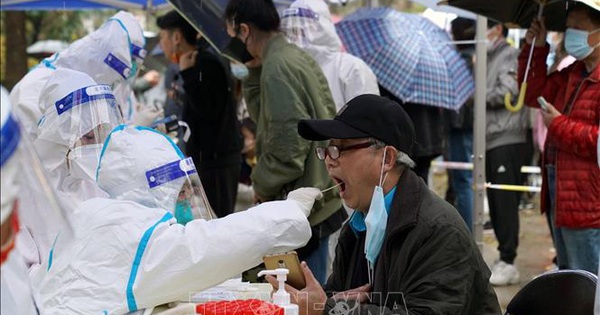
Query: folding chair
x: 562, y: 292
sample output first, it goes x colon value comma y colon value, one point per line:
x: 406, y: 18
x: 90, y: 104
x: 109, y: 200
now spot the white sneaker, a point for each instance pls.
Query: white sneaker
x: 504, y: 274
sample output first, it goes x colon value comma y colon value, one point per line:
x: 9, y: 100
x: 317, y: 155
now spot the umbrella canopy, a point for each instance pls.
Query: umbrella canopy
x: 207, y: 17
x: 49, y: 5
x: 439, y: 7
x: 517, y: 13
x: 411, y: 56
x: 45, y: 48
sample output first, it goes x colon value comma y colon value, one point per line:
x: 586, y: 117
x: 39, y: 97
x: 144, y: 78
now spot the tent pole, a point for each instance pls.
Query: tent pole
x: 479, y: 130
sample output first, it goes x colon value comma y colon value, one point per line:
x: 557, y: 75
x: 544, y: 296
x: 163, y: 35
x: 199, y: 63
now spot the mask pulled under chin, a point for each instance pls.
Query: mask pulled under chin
x: 376, y: 222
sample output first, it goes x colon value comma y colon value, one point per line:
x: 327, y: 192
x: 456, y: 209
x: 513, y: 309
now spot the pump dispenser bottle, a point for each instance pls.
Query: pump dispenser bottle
x: 281, y: 297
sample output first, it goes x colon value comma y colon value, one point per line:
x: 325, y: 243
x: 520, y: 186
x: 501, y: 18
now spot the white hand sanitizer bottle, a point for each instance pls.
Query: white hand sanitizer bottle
x: 281, y: 297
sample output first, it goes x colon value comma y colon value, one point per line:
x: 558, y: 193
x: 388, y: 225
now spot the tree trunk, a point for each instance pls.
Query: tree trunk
x: 16, y: 46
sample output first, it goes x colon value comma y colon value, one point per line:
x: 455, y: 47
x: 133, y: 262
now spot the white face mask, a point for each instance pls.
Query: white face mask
x: 83, y: 161
x: 239, y: 71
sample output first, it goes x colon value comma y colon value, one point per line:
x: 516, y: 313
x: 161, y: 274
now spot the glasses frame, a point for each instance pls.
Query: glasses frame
x: 334, y: 152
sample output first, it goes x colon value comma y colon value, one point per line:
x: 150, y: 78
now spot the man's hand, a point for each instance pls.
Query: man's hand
x: 311, y: 300
x: 254, y: 63
x: 537, y: 30
x: 187, y: 60
x: 257, y: 199
x: 550, y: 114
x: 152, y: 77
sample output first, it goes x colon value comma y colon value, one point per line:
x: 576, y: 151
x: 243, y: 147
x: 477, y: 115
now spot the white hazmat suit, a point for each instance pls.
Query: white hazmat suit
x: 79, y: 115
x: 15, y: 291
x: 110, y: 55
x: 308, y: 24
x: 131, y: 254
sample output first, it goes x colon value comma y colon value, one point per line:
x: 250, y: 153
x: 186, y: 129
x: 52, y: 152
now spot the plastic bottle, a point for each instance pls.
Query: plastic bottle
x: 282, y: 297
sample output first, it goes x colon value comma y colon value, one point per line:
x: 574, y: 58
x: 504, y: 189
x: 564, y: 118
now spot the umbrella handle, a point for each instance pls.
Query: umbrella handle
x: 520, y: 100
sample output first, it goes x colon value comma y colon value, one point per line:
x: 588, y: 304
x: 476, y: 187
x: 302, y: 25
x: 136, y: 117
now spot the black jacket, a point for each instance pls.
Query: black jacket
x: 211, y: 109
x: 427, y: 255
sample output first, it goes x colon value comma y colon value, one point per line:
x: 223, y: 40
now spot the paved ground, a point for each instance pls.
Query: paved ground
x: 535, y: 250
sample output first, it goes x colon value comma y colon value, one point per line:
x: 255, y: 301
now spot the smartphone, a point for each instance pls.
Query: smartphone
x: 543, y: 104
x: 289, y: 261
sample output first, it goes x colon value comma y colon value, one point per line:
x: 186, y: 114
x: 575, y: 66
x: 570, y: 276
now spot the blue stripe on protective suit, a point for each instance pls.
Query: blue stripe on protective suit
x: 10, y: 136
x: 131, y: 303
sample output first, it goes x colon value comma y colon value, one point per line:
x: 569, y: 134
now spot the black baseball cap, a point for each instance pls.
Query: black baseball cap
x: 365, y: 116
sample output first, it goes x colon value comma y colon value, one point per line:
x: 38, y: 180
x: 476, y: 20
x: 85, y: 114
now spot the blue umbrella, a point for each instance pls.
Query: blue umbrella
x: 411, y: 56
x: 49, y: 5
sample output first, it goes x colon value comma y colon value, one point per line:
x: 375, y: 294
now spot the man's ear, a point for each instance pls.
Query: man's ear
x: 391, y: 155
x: 243, y: 29
x: 177, y: 37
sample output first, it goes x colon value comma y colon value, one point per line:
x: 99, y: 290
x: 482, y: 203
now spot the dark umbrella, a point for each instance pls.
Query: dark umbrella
x: 207, y: 16
x: 516, y: 13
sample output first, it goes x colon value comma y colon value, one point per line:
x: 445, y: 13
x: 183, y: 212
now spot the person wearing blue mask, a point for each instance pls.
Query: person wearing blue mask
x: 405, y: 247
x: 571, y: 185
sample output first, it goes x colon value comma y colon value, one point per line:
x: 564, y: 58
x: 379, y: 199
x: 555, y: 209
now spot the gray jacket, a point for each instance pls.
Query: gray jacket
x: 503, y: 127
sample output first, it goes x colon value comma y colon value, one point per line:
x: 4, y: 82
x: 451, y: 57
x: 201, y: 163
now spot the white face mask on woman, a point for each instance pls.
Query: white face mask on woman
x: 82, y: 161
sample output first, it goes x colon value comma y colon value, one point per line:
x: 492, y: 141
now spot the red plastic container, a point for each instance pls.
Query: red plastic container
x: 239, y: 307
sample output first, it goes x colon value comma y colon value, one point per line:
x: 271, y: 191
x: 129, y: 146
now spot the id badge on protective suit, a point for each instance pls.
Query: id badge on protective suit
x: 169, y: 172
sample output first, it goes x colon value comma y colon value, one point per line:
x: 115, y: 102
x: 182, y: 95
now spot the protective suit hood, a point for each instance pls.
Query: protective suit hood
x: 79, y: 114
x: 106, y: 54
x: 125, y: 161
x: 308, y: 24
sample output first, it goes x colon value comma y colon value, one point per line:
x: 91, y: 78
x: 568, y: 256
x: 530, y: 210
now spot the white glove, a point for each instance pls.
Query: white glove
x: 305, y: 197
x: 146, y: 115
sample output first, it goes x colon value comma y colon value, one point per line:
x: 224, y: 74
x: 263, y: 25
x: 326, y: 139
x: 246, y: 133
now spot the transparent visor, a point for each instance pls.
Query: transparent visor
x: 25, y: 186
x: 299, y: 25
x: 183, y: 191
x: 85, y: 116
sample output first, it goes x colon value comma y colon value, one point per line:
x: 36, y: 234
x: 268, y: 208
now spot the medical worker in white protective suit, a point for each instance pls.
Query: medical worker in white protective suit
x: 110, y: 55
x: 131, y: 253
x: 78, y: 117
x: 308, y: 24
x: 20, y: 172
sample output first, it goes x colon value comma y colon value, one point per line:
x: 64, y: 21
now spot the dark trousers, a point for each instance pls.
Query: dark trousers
x: 220, y: 183
x: 423, y: 165
x: 503, y: 166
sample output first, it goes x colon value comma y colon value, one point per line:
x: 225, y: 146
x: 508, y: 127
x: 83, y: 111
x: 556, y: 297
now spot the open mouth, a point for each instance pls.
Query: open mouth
x: 341, y: 183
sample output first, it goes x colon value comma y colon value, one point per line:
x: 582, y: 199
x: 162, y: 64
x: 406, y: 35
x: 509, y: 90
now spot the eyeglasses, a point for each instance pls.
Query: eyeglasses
x: 334, y: 151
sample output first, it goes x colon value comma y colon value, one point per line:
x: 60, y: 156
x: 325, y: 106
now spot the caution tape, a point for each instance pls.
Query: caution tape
x: 514, y: 187
x: 467, y: 166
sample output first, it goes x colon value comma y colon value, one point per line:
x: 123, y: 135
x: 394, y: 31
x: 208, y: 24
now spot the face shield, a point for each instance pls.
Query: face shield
x: 111, y: 55
x: 75, y: 125
x: 142, y: 165
x: 311, y: 28
x: 26, y: 191
x: 191, y: 202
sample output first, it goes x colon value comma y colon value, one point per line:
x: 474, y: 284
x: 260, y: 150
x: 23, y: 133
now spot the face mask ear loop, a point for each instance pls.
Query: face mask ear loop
x: 381, y: 177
